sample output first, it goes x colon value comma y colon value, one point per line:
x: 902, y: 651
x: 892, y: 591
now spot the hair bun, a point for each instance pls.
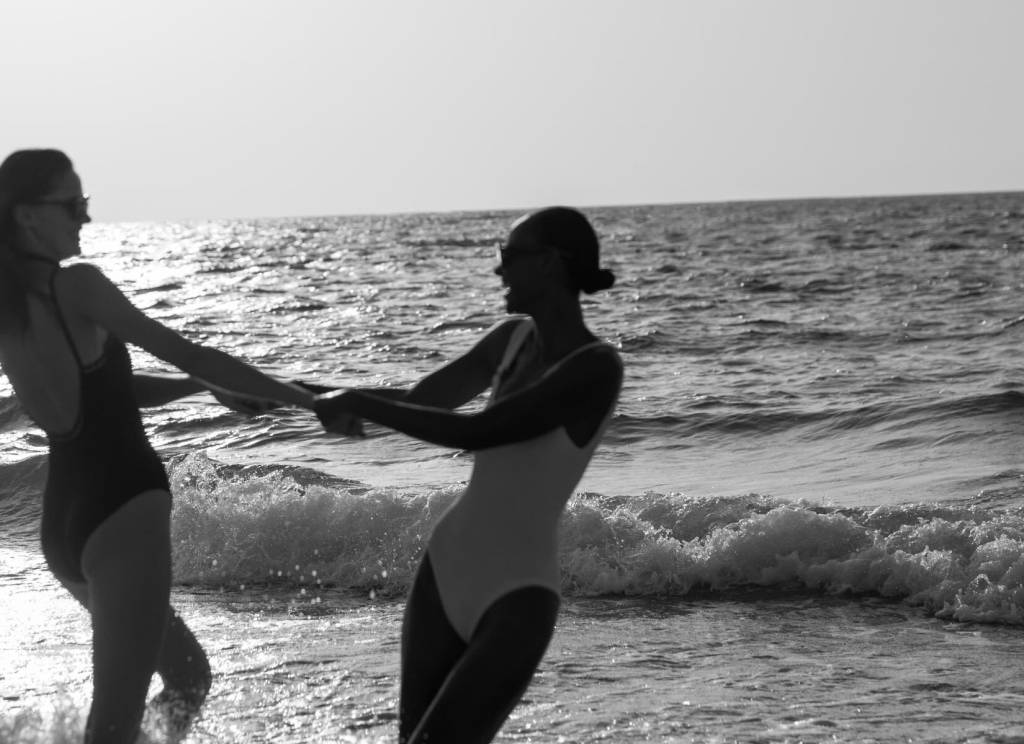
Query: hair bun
x: 600, y: 279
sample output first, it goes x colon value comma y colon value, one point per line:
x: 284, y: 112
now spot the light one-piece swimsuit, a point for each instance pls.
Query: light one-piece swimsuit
x: 501, y: 533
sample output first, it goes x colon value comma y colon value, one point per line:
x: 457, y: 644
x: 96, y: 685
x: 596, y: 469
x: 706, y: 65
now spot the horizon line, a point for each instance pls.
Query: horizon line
x: 618, y: 205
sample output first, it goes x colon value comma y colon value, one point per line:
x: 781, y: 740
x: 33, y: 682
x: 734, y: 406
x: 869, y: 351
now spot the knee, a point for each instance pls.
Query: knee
x: 203, y: 681
x: 185, y: 698
x: 184, y: 665
x: 198, y: 686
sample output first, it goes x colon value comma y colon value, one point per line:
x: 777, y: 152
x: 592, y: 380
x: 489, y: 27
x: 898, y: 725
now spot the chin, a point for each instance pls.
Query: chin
x: 516, y: 308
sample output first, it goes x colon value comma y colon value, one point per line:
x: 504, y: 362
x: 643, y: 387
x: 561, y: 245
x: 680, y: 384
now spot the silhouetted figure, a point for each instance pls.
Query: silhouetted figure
x: 485, y: 598
x: 106, y: 507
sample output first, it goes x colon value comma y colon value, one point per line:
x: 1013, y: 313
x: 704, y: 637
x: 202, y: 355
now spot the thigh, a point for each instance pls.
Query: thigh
x: 182, y: 664
x: 430, y: 649
x: 78, y: 589
x: 127, y: 562
x: 495, y: 670
x: 127, y: 565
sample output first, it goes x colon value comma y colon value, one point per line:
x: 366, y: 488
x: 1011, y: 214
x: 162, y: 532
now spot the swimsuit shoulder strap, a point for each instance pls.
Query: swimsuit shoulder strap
x: 63, y: 322
x: 574, y: 352
x: 521, y: 334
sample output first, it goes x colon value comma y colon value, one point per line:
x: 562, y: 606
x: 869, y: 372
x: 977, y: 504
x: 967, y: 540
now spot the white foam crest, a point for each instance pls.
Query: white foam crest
x: 961, y: 569
x: 59, y: 721
x: 623, y: 553
x: 995, y: 593
x: 234, y: 527
x: 244, y: 529
x: 62, y: 720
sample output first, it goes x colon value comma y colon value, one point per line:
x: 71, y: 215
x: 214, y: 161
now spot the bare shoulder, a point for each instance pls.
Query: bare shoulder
x: 81, y: 272
x: 492, y: 346
x: 85, y: 289
x: 597, y: 360
x: 606, y: 351
x: 591, y: 375
x: 80, y: 280
x: 501, y: 332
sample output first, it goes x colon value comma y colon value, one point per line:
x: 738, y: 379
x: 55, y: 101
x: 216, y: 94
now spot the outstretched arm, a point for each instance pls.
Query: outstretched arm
x: 152, y: 391
x: 315, y: 388
x: 464, y: 378
x: 158, y: 390
x: 576, y: 395
x: 89, y: 292
x: 454, y: 384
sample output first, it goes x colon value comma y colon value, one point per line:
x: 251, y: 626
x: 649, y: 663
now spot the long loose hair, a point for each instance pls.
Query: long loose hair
x: 25, y: 176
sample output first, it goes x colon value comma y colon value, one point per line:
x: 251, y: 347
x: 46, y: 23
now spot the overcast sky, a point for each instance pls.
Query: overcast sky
x: 179, y: 109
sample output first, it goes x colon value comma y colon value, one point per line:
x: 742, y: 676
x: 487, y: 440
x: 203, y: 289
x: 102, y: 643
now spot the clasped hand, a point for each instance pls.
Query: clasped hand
x: 330, y: 409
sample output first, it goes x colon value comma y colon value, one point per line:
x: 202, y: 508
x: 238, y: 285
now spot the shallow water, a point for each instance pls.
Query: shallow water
x: 754, y: 666
x: 805, y: 522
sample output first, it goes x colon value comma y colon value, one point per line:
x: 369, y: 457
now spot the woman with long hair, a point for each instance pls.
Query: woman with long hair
x: 483, y: 605
x: 106, y: 507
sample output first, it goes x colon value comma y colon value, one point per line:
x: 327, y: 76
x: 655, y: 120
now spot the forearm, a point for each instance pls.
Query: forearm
x: 469, y: 431
x: 438, y: 392
x: 392, y: 394
x: 315, y: 387
x: 153, y: 390
x: 217, y: 368
x: 434, y: 425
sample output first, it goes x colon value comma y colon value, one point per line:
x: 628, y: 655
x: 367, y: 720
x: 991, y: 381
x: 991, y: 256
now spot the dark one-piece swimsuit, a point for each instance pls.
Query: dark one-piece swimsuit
x: 101, y: 464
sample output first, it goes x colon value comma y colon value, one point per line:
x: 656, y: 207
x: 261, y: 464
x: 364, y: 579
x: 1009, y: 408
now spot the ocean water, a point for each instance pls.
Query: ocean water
x: 805, y: 523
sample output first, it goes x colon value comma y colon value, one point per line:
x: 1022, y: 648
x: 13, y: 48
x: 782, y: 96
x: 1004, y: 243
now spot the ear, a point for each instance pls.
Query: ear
x: 23, y: 216
x: 553, y: 265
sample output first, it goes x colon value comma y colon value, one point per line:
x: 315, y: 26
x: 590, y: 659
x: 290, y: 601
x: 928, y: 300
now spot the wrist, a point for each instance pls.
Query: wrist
x: 301, y: 396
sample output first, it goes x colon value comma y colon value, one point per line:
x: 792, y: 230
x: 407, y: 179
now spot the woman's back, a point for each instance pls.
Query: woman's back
x: 44, y: 360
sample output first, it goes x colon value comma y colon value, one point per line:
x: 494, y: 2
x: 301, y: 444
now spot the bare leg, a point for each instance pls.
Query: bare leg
x: 127, y: 565
x: 182, y: 665
x: 430, y: 650
x: 186, y: 675
x: 493, y: 672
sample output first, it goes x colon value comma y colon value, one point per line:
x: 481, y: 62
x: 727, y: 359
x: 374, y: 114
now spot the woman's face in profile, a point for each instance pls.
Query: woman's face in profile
x: 522, y: 268
x: 57, y: 217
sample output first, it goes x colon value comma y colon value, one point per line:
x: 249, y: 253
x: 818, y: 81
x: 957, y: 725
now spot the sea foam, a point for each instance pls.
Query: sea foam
x: 237, y: 526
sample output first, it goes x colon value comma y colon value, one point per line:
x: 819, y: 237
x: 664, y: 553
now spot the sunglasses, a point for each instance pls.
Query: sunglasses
x: 76, y: 206
x: 504, y: 251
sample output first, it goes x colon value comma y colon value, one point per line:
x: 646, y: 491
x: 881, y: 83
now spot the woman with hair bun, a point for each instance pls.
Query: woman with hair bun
x: 484, y: 602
